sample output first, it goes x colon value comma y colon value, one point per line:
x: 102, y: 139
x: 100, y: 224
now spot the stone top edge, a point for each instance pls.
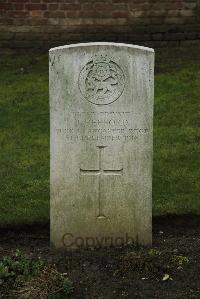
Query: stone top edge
x: 102, y: 44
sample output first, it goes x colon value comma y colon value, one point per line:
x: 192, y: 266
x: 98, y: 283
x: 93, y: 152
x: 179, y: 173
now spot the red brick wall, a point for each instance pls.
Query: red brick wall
x: 47, y: 23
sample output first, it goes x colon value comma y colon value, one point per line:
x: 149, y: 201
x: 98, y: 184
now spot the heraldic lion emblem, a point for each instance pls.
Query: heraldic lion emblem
x: 101, y: 81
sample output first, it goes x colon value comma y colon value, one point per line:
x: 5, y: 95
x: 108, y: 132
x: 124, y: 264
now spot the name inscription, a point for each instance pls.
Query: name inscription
x: 101, y: 126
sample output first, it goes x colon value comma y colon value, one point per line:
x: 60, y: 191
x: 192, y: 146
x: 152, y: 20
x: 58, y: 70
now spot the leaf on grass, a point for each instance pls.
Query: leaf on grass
x: 165, y: 277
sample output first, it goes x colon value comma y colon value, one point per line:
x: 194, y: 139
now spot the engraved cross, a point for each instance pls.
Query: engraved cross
x: 100, y: 172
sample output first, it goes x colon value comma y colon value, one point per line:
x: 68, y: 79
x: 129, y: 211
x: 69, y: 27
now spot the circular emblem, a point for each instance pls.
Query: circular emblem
x: 101, y: 81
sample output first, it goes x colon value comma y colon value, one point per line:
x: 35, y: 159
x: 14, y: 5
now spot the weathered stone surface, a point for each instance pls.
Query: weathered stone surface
x: 101, y: 106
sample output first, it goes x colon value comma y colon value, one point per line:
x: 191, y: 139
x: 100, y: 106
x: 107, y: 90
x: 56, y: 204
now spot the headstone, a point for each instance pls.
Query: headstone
x: 101, y: 115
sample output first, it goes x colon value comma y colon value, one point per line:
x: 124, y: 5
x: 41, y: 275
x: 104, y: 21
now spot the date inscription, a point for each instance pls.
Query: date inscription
x: 104, y: 126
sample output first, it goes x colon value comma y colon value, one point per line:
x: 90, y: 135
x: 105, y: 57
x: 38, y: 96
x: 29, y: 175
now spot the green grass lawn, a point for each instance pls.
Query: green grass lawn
x: 24, y: 135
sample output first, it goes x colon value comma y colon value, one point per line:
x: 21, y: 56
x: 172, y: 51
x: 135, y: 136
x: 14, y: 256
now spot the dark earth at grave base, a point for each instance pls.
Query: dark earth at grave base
x: 170, y: 269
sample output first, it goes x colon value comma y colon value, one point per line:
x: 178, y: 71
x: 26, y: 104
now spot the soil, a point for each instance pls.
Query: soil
x: 128, y: 272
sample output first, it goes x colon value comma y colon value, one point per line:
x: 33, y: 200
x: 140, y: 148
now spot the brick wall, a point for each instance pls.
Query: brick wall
x: 46, y: 23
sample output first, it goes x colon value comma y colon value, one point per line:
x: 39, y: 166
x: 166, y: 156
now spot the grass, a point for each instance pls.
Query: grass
x: 177, y: 132
x: 24, y: 277
x: 24, y: 140
x: 24, y: 135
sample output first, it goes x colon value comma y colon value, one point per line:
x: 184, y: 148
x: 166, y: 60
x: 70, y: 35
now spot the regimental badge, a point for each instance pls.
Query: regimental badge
x: 101, y: 81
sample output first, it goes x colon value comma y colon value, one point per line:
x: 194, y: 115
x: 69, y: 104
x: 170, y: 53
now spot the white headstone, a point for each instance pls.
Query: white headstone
x: 101, y: 115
